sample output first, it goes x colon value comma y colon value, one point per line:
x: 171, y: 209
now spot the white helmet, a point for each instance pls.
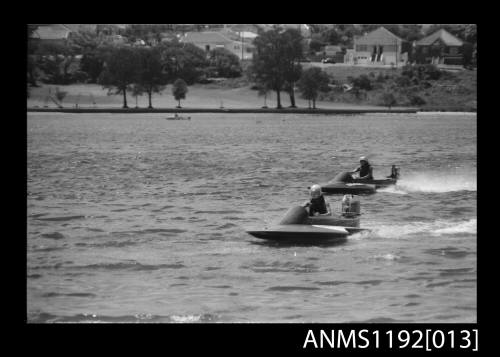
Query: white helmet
x: 316, y: 191
x: 363, y: 158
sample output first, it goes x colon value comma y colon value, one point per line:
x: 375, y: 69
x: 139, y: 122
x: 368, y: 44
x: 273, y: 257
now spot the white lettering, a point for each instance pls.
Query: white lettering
x: 331, y: 341
x: 363, y: 338
x: 310, y: 335
x: 346, y: 343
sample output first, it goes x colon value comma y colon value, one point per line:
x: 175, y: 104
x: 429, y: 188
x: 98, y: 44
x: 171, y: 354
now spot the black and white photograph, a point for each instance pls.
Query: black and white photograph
x: 251, y: 174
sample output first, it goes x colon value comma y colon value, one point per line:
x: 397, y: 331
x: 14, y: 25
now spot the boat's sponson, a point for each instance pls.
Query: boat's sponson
x: 348, y: 188
x: 301, y: 233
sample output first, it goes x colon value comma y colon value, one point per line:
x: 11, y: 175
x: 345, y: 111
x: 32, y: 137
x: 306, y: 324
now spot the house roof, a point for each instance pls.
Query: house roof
x: 205, y: 37
x: 248, y: 34
x: 52, y: 32
x: 380, y: 36
x: 443, y: 35
x: 332, y: 48
x: 81, y: 27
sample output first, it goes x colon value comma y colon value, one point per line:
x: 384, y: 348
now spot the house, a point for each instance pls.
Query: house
x: 209, y: 40
x: 247, y: 35
x: 349, y: 56
x: 334, y: 52
x: 379, y: 47
x: 52, y: 33
x: 82, y: 27
x: 441, y: 47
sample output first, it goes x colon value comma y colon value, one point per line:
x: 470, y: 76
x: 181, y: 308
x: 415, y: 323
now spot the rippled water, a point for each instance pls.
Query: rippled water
x: 136, y: 218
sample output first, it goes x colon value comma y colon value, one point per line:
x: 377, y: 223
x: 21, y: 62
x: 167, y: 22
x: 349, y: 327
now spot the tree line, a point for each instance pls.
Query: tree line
x: 91, y: 57
x: 147, y: 70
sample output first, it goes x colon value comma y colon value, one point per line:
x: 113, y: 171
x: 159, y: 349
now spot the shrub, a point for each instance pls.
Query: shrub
x: 362, y: 82
x: 380, y: 78
x: 403, y: 81
x: 388, y: 99
x: 224, y: 63
x: 416, y: 100
x: 432, y: 72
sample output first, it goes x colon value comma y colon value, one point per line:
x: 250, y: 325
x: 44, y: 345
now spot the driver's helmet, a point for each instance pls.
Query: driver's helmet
x: 315, y: 191
x: 363, y: 158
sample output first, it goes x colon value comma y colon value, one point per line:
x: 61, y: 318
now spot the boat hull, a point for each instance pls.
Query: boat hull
x: 301, y: 233
x: 379, y: 183
x: 348, y: 188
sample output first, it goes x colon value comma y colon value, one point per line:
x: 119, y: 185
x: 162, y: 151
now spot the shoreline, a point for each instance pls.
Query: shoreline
x: 250, y: 110
x: 225, y: 110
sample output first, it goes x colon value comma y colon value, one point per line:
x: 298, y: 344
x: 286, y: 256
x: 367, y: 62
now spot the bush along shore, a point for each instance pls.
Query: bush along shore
x: 423, y: 86
x: 351, y: 90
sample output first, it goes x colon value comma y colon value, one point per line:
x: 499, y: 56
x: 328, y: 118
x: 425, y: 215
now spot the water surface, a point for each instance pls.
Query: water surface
x: 136, y: 218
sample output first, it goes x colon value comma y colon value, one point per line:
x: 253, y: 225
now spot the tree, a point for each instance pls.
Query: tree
x: 32, y: 57
x: 274, y: 61
x: 31, y: 70
x: 224, y: 63
x: 55, y: 59
x: 151, y: 78
x: 362, y: 82
x: 416, y: 100
x: 332, y: 36
x: 315, y: 45
x: 347, y: 33
x: 92, y: 64
x: 388, y: 99
x: 293, y: 54
x: 263, y: 92
x: 120, y: 71
x: 313, y: 81
x: 179, y: 90
x: 183, y: 60
x: 60, y: 95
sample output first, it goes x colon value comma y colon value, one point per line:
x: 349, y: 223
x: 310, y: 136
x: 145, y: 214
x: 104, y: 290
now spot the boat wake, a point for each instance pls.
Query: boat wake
x: 426, y: 182
x: 436, y: 228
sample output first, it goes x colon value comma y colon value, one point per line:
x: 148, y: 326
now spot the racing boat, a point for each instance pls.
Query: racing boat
x: 298, y: 227
x: 344, y: 183
x: 177, y: 117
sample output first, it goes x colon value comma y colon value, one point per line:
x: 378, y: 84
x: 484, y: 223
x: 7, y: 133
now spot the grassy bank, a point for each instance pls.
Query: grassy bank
x: 229, y: 95
x: 455, y: 91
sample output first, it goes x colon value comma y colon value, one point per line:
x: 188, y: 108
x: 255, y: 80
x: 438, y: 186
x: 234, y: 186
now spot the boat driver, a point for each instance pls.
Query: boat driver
x: 317, y: 205
x: 365, y: 169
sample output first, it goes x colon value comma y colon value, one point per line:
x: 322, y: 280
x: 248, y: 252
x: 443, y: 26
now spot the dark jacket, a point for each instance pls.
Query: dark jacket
x: 365, y: 170
x: 317, y: 205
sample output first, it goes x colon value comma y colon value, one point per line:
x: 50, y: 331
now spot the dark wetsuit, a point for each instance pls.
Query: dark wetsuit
x: 365, y: 170
x: 317, y: 205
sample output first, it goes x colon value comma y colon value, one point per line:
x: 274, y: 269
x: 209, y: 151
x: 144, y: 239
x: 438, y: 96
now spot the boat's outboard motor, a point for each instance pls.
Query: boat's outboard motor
x: 394, y: 172
x: 295, y: 215
x: 351, y: 206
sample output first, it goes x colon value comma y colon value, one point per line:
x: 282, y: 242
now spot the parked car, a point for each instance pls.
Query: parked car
x: 328, y: 60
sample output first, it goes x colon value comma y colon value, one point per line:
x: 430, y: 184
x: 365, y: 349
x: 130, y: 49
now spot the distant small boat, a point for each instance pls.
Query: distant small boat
x: 177, y: 117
